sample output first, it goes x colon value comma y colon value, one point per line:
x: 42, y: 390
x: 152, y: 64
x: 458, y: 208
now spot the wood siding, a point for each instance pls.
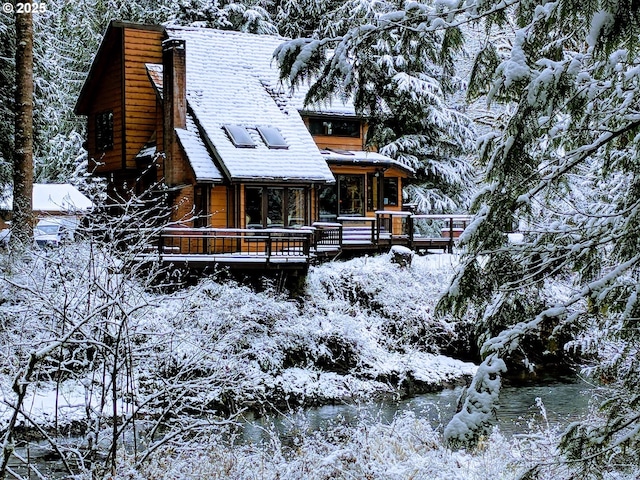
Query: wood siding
x: 109, y: 99
x: 335, y: 142
x: 140, y: 102
x: 218, y: 207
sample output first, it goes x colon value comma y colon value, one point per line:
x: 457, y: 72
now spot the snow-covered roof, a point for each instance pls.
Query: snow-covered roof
x: 338, y: 107
x: 201, y: 161
x: 53, y: 198
x: 231, y: 81
x: 363, y: 157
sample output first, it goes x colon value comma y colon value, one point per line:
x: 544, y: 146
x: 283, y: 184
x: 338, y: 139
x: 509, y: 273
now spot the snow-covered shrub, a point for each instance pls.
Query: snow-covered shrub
x: 400, y: 302
x: 408, y: 447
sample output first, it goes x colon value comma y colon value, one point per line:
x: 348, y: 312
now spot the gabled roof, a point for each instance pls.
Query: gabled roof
x: 231, y: 81
x: 111, y: 45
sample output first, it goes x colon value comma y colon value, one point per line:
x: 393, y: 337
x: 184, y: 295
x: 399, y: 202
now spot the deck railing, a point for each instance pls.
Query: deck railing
x: 327, y: 237
x: 437, y: 230
x: 421, y: 232
x: 358, y: 230
x: 268, y: 243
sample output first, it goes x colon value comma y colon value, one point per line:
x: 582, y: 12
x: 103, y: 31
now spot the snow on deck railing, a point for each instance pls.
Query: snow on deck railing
x: 387, y: 227
x: 269, y: 242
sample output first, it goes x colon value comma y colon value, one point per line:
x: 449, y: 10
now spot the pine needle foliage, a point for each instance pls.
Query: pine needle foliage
x: 565, y: 169
x: 396, y: 62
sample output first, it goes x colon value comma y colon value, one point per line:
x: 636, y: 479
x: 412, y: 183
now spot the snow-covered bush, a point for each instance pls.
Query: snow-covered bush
x: 408, y: 447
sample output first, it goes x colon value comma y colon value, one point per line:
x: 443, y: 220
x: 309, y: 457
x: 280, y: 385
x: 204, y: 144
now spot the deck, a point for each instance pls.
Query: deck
x: 296, y: 249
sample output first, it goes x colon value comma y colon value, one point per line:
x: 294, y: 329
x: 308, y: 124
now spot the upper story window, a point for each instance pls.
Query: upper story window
x: 334, y: 127
x: 104, y: 130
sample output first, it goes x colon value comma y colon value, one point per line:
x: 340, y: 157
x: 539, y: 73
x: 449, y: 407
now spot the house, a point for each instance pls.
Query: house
x: 49, y: 200
x: 203, y: 111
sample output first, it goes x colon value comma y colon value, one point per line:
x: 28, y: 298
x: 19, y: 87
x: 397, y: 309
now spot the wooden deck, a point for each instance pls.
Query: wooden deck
x: 296, y: 249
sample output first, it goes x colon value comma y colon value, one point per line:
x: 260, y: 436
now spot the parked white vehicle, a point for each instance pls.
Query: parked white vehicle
x: 51, y: 232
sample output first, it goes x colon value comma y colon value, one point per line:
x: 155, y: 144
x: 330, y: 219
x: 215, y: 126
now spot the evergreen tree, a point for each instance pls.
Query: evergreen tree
x: 400, y: 74
x: 245, y: 16
x: 566, y: 168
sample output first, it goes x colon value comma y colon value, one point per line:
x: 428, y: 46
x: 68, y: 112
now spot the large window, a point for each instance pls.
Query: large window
x: 390, y: 191
x: 275, y: 207
x: 334, y: 127
x: 201, y: 206
x: 104, y: 131
x: 328, y: 201
x: 253, y: 207
x: 351, y: 195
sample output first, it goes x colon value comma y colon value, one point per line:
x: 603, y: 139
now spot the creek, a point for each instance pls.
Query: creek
x: 564, y: 400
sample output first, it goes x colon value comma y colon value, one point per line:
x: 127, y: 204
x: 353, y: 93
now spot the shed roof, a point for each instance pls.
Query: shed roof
x: 362, y: 157
x: 52, y: 198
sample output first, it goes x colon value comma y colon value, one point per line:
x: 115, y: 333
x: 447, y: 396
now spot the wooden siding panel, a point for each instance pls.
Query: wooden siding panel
x: 342, y: 143
x: 141, y: 46
x: 109, y: 99
x: 218, y: 207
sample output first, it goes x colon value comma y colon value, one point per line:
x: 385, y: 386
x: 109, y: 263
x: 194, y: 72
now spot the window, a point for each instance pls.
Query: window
x: 253, y: 207
x: 296, y: 201
x: 373, y: 191
x: 390, y: 190
x: 273, y: 138
x: 104, y: 131
x: 201, y: 206
x: 328, y: 202
x: 334, y: 127
x: 351, y: 192
x: 275, y: 204
x: 239, y: 136
x: 275, y: 207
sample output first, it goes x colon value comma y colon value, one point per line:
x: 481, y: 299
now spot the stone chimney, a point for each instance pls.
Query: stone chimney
x: 174, y: 91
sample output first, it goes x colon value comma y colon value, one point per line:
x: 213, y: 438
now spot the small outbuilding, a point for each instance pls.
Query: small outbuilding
x: 49, y: 200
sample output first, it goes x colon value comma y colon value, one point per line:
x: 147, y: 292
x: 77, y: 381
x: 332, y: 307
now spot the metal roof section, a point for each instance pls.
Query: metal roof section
x: 202, y: 162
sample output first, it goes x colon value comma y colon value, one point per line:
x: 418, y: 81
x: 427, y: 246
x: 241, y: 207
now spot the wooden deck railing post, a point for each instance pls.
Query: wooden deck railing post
x: 268, y: 247
x: 160, y: 243
x: 375, y: 235
x: 410, y: 226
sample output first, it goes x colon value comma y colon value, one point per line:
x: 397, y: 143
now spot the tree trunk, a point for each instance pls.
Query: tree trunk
x: 22, y: 223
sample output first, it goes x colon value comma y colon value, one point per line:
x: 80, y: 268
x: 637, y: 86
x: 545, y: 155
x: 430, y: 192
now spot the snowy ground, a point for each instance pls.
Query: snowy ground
x: 365, y: 328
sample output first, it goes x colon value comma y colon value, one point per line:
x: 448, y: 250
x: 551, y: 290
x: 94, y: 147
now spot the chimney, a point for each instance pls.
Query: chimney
x: 174, y: 90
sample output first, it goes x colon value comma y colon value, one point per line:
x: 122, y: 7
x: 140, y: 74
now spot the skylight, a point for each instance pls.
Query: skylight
x: 272, y: 137
x: 239, y: 136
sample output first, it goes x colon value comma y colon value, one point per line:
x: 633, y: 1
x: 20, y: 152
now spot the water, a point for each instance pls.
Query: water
x: 563, y: 401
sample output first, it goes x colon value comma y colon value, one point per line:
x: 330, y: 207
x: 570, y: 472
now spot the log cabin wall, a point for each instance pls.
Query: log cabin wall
x: 218, y: 207
x: 139, y: 101
x: 109, y: 99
